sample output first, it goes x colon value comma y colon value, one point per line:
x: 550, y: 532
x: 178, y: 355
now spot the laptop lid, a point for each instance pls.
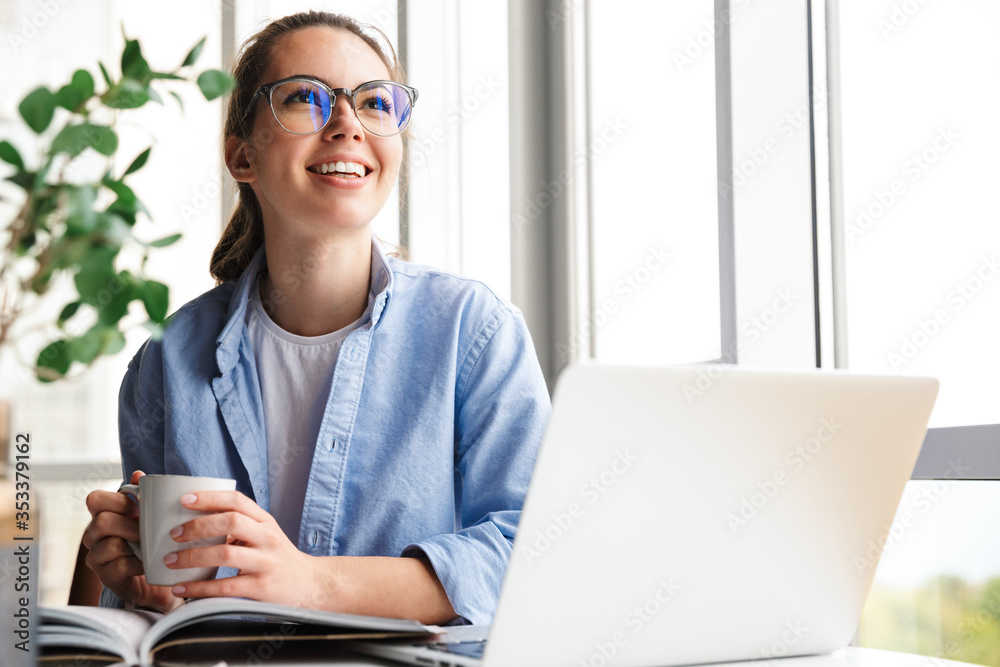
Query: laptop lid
x: 680, y: 515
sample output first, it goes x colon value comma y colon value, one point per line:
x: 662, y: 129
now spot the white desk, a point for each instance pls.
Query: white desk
x: 847, y: 657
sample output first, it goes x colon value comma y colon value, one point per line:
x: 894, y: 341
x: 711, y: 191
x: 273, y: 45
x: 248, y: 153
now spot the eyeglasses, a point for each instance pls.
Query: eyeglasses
x: 303, y: 105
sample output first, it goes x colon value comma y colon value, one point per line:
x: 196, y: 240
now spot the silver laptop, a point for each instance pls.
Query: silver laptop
x: 683, y: 515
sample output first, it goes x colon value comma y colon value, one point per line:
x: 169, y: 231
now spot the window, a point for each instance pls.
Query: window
x: 73, y: 423
x: 918, y: 141
x: 652, y: 130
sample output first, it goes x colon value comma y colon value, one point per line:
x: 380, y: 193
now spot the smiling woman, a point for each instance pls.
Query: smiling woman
x: 380, y: 418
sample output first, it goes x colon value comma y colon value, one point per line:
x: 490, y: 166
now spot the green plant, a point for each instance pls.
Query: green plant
x: 79, y: 228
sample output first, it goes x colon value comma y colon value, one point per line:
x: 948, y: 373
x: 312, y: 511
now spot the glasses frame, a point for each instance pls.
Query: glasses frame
x: 268, y: 89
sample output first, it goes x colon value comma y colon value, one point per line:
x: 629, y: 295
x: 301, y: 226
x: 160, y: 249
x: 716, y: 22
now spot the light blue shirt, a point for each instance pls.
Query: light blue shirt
x: 427, y: 444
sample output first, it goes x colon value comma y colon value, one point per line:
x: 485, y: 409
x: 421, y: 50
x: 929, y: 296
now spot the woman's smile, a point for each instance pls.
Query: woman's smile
x: 342, y: 171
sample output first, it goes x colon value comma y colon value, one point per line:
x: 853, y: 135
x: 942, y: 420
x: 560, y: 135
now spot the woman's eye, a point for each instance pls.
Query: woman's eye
x: 378, y: 103
x: 303, y: 97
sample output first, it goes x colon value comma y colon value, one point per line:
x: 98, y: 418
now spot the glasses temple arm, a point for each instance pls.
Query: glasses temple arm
x: 253, y: 101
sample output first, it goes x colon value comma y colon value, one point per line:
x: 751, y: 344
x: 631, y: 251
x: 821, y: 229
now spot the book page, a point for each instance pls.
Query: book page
x: 252, y: 611
x: 116, y: 631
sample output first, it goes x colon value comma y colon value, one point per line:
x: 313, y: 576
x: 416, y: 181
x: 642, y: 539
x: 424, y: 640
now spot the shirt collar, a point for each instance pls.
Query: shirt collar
x: 228, y: 342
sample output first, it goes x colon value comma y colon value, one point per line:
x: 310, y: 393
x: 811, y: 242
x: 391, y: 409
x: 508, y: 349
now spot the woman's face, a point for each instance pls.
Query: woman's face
x: 285, y: 169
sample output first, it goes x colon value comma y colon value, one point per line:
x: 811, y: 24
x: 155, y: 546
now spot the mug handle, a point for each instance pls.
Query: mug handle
x: 132, y: 490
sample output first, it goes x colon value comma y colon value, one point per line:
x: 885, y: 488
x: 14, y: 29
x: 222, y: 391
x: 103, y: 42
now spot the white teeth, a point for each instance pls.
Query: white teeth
x: 347, y: 168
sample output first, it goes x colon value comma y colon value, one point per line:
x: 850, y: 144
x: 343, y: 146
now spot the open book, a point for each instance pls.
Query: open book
x: 233, y: 629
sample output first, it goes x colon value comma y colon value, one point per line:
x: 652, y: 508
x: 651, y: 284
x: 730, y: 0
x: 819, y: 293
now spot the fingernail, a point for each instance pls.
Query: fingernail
x: 170, y: 559
x: 175, y: 532
x: 177, y: 590
x: 188, y: 498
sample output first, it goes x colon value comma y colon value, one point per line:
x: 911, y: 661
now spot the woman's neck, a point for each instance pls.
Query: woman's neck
x: 313, y: 288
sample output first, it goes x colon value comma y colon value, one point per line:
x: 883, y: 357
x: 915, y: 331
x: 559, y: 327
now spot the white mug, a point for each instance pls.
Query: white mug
x: 160, y: 511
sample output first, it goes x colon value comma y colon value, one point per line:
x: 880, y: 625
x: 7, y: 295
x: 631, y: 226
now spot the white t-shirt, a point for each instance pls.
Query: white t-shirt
x: 295, y: 374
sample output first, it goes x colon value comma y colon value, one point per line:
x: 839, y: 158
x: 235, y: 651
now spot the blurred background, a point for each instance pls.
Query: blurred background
x: 767, y: 182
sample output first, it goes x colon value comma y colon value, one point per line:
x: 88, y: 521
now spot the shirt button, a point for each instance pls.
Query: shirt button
x: 314, y: 539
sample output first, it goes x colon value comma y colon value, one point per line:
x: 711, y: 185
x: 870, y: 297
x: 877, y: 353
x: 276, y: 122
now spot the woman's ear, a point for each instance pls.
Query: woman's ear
x: 238, y: 160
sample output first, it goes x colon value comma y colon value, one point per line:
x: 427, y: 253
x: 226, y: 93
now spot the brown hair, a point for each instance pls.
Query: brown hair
x: 245, y: 232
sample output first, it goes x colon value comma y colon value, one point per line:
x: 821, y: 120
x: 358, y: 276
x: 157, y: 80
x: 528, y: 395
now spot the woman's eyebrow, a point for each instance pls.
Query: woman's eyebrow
x: 311, y: 76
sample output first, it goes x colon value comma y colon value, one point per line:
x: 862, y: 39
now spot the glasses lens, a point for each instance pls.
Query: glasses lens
x: 301, y: 107
x: 383, y: 108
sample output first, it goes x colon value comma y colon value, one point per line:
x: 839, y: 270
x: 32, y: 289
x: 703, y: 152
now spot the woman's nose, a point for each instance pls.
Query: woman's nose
x: 343, y: 120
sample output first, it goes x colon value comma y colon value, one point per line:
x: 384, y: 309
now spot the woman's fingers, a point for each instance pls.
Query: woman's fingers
x: 221, y: 555
x: 107, y: 525
x: 224, y: 501
x: 110, y: 501
x: 113, y: 557
x: 230, y: 524
x: 241, y: 587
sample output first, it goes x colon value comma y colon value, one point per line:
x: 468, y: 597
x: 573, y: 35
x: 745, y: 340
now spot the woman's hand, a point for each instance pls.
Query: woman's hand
x: 271, y: 568
x: 114, y: 519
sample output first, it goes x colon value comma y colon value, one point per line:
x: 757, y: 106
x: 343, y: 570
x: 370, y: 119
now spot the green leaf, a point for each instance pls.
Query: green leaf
x: 124, y: 192
x: 214, y: 83
x: 23, y: 179
x: 114, y: 341
x: 83, y: 82
x: 138, y: 162
x: 69, y: 251
x: 74, y: 139
x: 167, y: 75
x: 127, y: 94
x: 37, y: 109
x: 81, y: 216
x: 86, y: 348
x: 165, y: 241
x: 114, y: 298
x: 69, y: 311
x: 113, y: 227
x: 155, y: 296
x: 155, y: 330
x: 10, y: 155
x: 54, y: 357
x: 77, y: 91
x: 194, y: 53
x: 127, y: 205
x: 180, y: 102
x: 104, y: 73
x: 96, y: 271
x: 133, y: 64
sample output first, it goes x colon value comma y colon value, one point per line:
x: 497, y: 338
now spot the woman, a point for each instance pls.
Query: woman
x: 381, y: 418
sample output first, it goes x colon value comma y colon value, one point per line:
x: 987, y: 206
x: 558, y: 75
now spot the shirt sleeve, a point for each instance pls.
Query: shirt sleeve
x: 502, y: 406
x: 140, y: 425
